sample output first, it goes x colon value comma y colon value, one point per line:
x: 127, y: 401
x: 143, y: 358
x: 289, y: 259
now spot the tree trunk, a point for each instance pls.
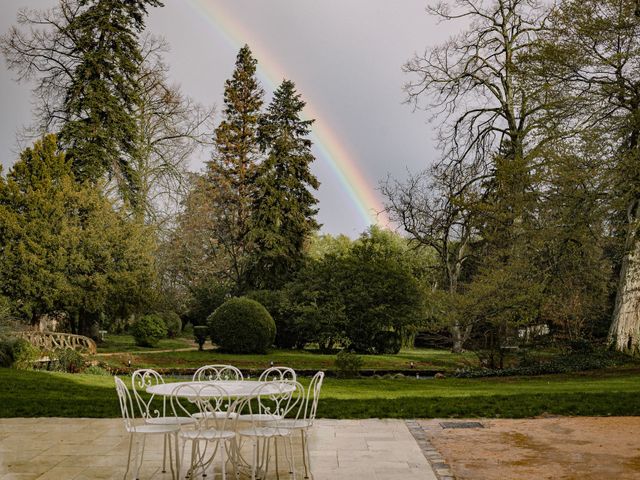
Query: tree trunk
x: 457, y: 337
x: 625, y: 325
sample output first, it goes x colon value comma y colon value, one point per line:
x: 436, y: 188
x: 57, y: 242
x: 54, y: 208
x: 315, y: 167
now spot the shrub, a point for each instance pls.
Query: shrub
x: 387, y: 342
x: 173, y: 323
x: 97, y: 370
x: 18, y: 353
x: 347, y: 364
x: 68, y: 360
x: 148, y: 330
x: 200, y: 335
x: 242, y: 325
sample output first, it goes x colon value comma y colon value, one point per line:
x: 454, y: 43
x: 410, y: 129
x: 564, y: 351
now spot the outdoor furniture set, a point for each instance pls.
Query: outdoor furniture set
x: 216, y: 413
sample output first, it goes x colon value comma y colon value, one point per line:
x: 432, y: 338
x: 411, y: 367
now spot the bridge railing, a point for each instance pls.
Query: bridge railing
x: 53, y: 340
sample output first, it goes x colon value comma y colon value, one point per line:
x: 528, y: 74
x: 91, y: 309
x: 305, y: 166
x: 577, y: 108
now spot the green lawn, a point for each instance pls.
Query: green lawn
x: 615, y: 392
x: 423, y: 359
x: 125, y: 343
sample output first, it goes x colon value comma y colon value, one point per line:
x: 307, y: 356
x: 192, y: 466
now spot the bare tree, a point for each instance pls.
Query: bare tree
x: 172, y: 127
x: 474, y: 81
x: 433, y: 207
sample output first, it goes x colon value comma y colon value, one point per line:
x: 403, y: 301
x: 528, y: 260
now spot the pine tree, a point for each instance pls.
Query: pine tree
x: 86, y: 58
x: 63, y: 246
x: 283, y: 210
x: 231, y: 173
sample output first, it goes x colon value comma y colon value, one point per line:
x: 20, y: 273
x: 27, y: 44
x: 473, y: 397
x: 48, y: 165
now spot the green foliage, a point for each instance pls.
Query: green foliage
x: 97, y: 370
x: 68, y: 360
x: 18, y: 353
x: 283, y: 209
x: 347, y: 364
x: 242, y: 325
x: 572, y: 362
x: 231, y: 173
x: 350, y: 296
x: 65, y: 248
x: 206, y: 296
x: 102, y: 96
x: 147, y: 330
x: 200, y: 333
x: 172, y: 322
x: 279, y: 307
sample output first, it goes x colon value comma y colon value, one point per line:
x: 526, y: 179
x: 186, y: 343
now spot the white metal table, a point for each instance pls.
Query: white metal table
x: 239, y: 389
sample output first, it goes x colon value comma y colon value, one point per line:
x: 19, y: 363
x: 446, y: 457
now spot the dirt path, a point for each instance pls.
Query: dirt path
x: 563, y: 448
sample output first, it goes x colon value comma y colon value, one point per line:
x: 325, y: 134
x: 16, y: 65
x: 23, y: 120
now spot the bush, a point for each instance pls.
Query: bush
x: 200, y: 335
x: 347, y: 364
x: 148, y: 330
x: 173, y: 323
x: 242, y: 325
x: 388, y: 342
x: 97, y: 370
x: 68, y: 360
x: 18, y: 353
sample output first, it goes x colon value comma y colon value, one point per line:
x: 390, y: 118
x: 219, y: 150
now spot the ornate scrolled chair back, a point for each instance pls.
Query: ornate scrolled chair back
x: 278, y: 374
x: 140, y: 381
x: 126, y: 404
x: 216, y: 373
x: 210, y: 405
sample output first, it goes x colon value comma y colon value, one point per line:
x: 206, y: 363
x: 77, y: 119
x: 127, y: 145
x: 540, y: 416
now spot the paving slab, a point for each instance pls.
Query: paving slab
x: 82, y: 449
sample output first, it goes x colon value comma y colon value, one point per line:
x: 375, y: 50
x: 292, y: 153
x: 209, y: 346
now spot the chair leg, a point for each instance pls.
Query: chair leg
x: 223, y: 460
x: 275, y: 447
x: 164, y: 455
x: 291, y: 459
x: 129, y: 456
x: 254, y: 456
x: 305, y: 460
x: 305, y: 435
x: 179, y: 456
x: 144, y: 438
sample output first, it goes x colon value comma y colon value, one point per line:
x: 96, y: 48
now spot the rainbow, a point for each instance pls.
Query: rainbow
x: 332, y: 149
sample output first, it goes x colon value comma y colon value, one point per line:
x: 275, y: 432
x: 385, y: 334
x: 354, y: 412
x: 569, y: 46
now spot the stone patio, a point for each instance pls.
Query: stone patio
x: 89, y: 449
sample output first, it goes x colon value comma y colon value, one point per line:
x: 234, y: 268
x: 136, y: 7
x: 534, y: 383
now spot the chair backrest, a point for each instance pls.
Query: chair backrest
x: 209, y: 405
x: 214, y: 373
x: 274, y: 399
x: 126, y: 405
x: 140, y: 381
x: 313, y: 395
x: 278, y: 374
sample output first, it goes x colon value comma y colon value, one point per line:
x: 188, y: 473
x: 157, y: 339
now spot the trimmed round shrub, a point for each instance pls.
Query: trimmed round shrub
x: 173, y: 323
x: 148, y: 330
x: 242, y: 325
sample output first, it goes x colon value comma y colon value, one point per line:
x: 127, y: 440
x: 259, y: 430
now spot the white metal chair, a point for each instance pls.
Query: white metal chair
x: 271, y: 401
x: 210, y: 407
x: 303, y: 420
x: 126, y: 407
x: 278, y: 374
x: 154, y: 413
x: 216, y: 373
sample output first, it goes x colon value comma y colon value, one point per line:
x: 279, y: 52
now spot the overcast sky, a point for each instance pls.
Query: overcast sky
x: 345, y: 57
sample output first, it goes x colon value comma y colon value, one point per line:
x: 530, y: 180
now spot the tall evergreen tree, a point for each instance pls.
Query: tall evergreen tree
x: 283, y: 210
x: 86, y: 57
x: 63, y: 246
x: 231, y: 172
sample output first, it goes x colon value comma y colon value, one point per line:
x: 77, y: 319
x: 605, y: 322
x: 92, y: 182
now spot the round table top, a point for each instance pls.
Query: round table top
x: 234, y: 388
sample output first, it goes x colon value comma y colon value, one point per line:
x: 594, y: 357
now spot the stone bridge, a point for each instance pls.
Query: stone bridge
x: 49, y: 341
